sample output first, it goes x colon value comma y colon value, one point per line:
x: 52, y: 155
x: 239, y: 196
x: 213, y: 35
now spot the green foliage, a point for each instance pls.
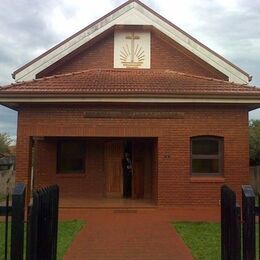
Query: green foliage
x: 254, y: 142
x: 5, y: 141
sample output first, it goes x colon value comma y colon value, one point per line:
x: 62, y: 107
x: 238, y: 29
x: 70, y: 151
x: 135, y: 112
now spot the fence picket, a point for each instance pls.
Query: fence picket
x: 17, y: 225
x: 32, y: 228
x: 248, y: 206
x: 230, y: 225
x: 43, y: 222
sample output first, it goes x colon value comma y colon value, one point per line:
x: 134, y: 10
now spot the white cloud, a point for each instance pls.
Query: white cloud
x: 230, y: 5
x: 70, y: 16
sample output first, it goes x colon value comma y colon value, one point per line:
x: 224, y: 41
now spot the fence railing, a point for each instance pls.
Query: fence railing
x: 231, y: 224
x: 40, y: 237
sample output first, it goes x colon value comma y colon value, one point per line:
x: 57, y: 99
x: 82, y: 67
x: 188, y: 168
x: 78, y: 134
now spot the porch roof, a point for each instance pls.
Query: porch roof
x: 120, y: 81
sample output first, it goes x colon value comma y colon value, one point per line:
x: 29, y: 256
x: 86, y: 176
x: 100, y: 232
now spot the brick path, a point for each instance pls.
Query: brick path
x: 142, y: 234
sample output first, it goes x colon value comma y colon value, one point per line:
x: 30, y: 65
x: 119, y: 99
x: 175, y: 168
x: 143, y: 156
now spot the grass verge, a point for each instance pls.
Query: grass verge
x: 66, y: 233
x: 203, y: 239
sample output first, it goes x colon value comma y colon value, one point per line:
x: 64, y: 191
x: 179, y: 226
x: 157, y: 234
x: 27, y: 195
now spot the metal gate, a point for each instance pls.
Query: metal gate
x: 37, y: 239
x: 232, y: 224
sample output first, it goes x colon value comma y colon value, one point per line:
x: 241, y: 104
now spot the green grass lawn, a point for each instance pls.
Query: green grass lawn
x: 66, y: 233
x: 202, y: 238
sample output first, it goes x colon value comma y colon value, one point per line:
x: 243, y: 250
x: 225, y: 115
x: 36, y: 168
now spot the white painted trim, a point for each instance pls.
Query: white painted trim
x: 172, y: 100
x: 133, y: 14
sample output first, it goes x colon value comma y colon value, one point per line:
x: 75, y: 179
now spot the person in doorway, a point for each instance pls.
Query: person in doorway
x: 127, y: 175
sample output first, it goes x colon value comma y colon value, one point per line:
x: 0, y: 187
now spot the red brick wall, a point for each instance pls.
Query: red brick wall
x: 99, y: 55
x: 164, y: 55
x: 90, y: 184
x: 168, y: 55
x: 174, y: 183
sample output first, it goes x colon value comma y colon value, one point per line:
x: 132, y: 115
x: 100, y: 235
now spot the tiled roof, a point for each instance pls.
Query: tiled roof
x: 116, y: 81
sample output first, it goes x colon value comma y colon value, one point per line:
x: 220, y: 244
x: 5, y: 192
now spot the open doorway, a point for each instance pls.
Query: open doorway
x: 141, y: 154
x: 142, y: 159
x: 127, y: 167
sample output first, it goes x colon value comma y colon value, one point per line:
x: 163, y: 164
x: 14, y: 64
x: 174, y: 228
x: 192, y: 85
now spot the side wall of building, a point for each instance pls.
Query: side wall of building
x: 175, y: 185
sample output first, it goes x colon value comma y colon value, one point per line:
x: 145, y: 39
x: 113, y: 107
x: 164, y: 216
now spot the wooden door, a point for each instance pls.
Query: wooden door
x: 113, y: 168
x: 138, y: 169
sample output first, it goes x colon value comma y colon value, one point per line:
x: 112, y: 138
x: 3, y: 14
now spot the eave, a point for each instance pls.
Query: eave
x: 14, y: 102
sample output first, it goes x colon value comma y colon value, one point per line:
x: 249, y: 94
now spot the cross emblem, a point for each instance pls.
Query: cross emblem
x: 132, y: 56
x: 132, y: 37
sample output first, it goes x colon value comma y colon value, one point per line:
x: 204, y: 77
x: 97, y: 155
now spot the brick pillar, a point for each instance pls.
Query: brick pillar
x: 24, y: 162
x: 155, y: 171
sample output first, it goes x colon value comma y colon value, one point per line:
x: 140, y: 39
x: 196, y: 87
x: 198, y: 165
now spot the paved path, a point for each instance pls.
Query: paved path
x: 142, y: 234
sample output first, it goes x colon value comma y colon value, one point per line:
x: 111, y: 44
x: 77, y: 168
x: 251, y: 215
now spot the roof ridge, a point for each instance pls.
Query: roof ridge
x: 209, y: 78
x: 46, y: 78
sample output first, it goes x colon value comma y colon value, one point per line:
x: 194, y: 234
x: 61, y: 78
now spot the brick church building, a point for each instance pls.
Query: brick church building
x: 132, y: 82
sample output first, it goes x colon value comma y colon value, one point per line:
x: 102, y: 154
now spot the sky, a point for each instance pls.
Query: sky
x: 30, y: 27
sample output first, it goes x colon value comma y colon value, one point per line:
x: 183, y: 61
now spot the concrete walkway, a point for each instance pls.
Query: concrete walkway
x: 130, y: 234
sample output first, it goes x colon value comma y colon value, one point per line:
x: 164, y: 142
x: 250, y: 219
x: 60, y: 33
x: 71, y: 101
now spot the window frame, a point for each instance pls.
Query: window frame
x: 58, y: 158
x: 219, y: 156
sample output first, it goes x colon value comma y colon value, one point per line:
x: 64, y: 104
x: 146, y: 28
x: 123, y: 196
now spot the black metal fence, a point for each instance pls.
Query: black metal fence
x: 43, y: 224
x: 232, y: 224
x: 39, y: 239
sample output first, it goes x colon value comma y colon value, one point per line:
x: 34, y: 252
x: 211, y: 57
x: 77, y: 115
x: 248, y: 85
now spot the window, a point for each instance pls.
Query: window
x: 207, y: 156
x: 71, y: 157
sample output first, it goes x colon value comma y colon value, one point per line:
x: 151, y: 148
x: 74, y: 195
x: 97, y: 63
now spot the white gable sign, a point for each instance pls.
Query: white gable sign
x: 132, y: 50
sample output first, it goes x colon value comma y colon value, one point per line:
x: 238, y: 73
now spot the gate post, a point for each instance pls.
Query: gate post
x: 230, y: 225
x: 17, y: 227
x: 248, y: 207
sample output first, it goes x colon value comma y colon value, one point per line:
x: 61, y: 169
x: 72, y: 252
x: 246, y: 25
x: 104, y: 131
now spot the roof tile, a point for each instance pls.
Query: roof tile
x: 134, y: 81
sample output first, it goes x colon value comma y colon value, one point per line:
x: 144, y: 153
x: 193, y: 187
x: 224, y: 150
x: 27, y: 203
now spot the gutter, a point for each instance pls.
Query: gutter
x: 234, y: 99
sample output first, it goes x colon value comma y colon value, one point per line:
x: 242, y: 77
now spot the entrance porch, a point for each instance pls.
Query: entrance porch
x: 89, y: 171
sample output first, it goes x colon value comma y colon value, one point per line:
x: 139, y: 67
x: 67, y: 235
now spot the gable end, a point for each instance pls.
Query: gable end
x: 131, y: 13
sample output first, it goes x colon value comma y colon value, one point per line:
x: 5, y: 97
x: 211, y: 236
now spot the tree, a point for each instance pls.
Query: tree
x: 5, y: 141
x: 254, y: 142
